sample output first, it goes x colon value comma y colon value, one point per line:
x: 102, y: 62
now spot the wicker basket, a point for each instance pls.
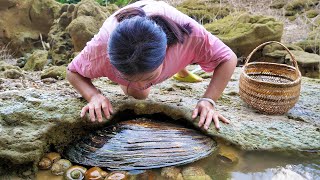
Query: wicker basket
x: 270, y: 87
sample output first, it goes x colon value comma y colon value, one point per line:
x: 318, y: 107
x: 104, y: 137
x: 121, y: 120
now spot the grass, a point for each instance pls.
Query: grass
x: 6, y: 56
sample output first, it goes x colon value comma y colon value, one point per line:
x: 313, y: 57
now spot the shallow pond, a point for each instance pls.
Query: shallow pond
x: 231, y: 163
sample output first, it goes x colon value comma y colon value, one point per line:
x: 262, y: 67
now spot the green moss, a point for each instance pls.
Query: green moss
x: 36, y: 61
x: 312, y: 13
x: 278, y: 4
x: 238, y: 24
x: 57, y: 72
x: 204, y: 11
x: 299, y: 6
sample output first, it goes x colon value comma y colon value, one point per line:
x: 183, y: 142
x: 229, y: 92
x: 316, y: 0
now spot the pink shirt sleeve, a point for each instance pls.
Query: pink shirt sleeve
x: 210, y: 52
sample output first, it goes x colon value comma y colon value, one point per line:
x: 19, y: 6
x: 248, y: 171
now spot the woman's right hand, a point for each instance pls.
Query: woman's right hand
x: 96, y: 103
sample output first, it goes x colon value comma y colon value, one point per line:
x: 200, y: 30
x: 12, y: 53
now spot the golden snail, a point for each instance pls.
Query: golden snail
x: 95, y: 173
x: 48, y: 159
x: 75, y: 173
x: 117, y: 175
x: 59, y: 167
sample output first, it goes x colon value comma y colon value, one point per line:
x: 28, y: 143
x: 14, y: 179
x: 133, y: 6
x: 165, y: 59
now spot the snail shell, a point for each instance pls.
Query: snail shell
x: 48, y: 159
x: 45, y: 163
x: 75, y: 173
x: 95, y: 173
x: 53, y: 156
x: 117, y: 175
x: 59, y: 167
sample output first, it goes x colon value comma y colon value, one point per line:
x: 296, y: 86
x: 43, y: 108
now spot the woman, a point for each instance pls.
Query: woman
x: 143, y: 44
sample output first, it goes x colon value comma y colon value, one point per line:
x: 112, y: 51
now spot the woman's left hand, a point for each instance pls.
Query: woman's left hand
x: 207, y: 114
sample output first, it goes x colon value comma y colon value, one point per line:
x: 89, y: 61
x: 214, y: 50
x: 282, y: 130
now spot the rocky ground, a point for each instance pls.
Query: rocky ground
x: 42, y: 115
x: 39, y: 110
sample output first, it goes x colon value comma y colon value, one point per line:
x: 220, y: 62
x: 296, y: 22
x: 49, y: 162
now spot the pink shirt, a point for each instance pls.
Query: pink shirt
x: 201, y: 47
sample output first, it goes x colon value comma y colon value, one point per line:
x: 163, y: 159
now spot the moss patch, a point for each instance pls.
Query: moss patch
x: 57, y: 72
x: 204, y: 11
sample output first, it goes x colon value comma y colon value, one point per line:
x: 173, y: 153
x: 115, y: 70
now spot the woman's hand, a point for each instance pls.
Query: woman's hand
x: 96, y: 103
x: 207, y: 114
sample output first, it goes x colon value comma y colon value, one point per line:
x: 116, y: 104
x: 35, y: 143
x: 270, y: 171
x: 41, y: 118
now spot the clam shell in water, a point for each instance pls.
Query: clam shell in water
x: 140, y: 144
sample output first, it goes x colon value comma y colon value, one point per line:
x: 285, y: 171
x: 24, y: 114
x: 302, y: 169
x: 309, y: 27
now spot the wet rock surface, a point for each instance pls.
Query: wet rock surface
x: 38, y: 116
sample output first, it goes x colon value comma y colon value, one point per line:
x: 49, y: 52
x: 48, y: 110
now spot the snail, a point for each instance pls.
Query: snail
x: 95, y: 173
x: 75, y: 173
x: 117, y: 175
x: 48, y: 159
x: 59, y: 167
x: 45, y: 163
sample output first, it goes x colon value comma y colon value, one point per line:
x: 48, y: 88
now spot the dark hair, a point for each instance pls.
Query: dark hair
x: 138, y: 44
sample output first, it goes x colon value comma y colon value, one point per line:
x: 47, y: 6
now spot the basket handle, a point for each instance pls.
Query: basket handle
x: 269, y: 42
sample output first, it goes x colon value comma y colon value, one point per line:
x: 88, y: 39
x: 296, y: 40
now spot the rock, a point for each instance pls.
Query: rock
x: 278, y: 4
x: 298, y: 6
x: 13, y: 74
x: 6, y: 4
x: 56, y: 72
x: 276, y: 53
x: 204, y: 11
x: 171, y: 173
x: 9, y: 71
x: 88, y: 17
x: 81, y: 30
x: 50, y: 118
x: 312, y: 13
x: 23, y: 21
x: 36, y: 61
x: 312, y: 43
x: 309, y: 64
x: 76, y: 25
x: 244, y: 32
x: 228, y: 155
x: 194, y: 173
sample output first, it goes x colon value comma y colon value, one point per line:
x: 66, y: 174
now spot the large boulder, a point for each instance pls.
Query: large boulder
x: 76, y: 26
x: 23, y: 21
x: 243, y: 32
x: 37, y: 118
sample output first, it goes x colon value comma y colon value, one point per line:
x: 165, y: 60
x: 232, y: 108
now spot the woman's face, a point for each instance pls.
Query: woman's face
x: 142, y: 79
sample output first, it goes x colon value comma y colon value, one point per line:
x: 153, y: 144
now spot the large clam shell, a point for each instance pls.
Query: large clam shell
x: 141, y: 144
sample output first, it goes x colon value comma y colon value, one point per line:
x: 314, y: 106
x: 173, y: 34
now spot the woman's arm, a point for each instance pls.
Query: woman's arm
x: 220, y: 78
x: 96, y: 100
x: 219, y: 81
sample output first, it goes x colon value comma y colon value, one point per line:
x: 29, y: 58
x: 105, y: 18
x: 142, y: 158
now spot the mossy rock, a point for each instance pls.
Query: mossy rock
x: 299, y: 6
x: 309, y: 64
x: 204, y: 11
x: 56, y: 72
x: 312, y: 43
x: 278, y: 4
x: 243, y: 32
x: 5, y: 66
x: 311, y: 46
x: 36, y: 61
x: 13, y: 74
x: 312, y: 13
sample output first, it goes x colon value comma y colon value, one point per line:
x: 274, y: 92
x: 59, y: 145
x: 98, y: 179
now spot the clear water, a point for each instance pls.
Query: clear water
x: 247, y: 166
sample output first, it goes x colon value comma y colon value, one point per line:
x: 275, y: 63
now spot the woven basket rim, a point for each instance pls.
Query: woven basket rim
x: 296, y: 81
